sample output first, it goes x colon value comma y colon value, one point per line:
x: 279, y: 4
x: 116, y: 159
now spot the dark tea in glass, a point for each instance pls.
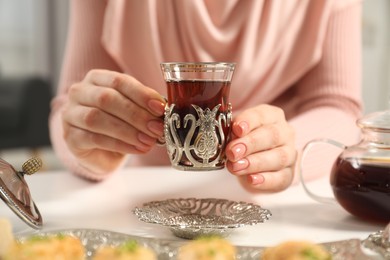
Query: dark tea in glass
x: 206, y: 94
x: 198, y: 114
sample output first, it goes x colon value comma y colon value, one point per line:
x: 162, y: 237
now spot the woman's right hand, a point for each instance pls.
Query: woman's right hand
x: 108, y: 115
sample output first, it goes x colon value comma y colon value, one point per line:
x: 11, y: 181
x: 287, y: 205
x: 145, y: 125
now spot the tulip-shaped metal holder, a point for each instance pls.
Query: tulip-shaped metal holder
x: 15, y: 192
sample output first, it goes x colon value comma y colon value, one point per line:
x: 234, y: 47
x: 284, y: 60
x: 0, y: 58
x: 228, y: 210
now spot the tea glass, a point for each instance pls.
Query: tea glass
x: 198, y: 115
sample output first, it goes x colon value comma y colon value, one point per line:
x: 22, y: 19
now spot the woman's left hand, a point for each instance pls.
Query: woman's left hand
x: 262, y: 149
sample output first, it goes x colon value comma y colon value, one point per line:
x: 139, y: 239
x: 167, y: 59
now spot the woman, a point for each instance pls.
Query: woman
x: 297, y: 78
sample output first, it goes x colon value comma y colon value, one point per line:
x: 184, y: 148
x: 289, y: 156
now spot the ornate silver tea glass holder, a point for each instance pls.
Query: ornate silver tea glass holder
x: 205, y: 140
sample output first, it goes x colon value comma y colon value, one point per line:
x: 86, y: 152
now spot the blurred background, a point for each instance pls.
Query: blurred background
x: 32, y: 41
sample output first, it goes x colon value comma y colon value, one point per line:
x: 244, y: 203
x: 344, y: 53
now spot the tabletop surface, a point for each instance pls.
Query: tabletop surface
x: 68, y: 202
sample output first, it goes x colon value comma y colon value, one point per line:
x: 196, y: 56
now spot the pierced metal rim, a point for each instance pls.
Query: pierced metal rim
x: 139, y: 211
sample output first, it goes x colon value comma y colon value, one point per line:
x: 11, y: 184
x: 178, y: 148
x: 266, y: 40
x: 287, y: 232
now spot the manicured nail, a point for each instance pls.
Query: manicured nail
x: 142, y: 146
x: 156, y: 127
x: 157, y: 107
x: 238, y: 151
x: 145, y: 139
x: 241, y: 128
x: 240, y: 165
x: 255, y: 179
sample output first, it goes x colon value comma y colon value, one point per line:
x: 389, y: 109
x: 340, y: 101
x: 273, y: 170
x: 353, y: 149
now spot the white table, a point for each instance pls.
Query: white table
x: 67, y: 201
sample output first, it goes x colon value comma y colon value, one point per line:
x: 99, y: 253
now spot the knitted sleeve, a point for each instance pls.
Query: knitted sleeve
x: 84, y: 52
x: 330, y: 93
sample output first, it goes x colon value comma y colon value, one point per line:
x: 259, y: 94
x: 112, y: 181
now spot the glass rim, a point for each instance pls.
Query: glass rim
x: 174, y: 66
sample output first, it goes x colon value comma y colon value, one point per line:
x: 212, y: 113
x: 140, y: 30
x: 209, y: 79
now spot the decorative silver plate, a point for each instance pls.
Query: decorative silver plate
x: 167, y: 249
x: 189, y: 217
x: 379, y: 242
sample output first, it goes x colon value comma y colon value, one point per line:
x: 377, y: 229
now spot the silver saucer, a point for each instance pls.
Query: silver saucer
x: 190, y: 217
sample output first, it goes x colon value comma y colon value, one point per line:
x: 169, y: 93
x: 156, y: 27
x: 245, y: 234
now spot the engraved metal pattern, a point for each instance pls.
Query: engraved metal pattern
x: 379, y: 242
x: 32, y: 165
x: 189, y: 217
x: 205, y: 141
x: 165, y: 249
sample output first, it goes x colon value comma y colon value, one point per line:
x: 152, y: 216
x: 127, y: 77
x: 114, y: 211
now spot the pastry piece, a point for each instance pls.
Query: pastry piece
x: 296, y: 250
x: 207, y: 248
x: 61, y: 247
x: 130, y: 250
x: 6, y: 237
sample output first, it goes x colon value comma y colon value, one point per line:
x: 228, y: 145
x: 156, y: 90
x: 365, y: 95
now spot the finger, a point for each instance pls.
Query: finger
x: 99, y: 122
x: 269, y: 160
x: 263, y: 138
x: 113, y: 102
x: 91, y: 141
x: 251, y: 119
x: 269, y: 181
x: 131, y: 88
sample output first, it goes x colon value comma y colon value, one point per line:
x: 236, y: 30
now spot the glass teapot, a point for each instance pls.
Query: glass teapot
x: 360, y: 176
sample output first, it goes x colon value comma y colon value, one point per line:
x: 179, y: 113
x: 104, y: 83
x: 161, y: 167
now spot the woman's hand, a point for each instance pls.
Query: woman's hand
x: 262, y: 150
x: 108, y: 115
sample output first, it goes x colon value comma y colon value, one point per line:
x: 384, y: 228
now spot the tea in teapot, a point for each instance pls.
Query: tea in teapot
x: 362, y: 187
x: 360, y: 176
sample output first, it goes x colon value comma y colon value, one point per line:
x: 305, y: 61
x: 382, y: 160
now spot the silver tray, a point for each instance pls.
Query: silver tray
x: 167, y: 249
x: 379, y: 242
x: 190, y: 217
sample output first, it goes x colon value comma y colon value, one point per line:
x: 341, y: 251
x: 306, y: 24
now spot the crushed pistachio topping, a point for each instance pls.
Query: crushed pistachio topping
x: 310, y: 254
x: 129, y: 246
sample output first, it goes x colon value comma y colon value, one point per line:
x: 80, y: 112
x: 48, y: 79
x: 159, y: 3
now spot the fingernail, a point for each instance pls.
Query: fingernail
x: 241, y: 128
x: 255, y: 179
x: 156, y: 127
x: 142, y: 146
x: 238, y: 151
x: 157, y: 107
x: 240, y: 165
x: 144, y: 138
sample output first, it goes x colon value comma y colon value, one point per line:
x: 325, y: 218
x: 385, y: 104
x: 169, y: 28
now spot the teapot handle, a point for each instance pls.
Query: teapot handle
x: 306, y: 148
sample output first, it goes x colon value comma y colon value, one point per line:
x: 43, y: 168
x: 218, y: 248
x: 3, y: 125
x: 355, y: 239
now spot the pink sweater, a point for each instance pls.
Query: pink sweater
x: 303, y: 56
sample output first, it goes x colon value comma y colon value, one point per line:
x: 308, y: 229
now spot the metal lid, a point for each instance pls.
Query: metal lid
x: 377, y: 121
x: 15, y: 192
